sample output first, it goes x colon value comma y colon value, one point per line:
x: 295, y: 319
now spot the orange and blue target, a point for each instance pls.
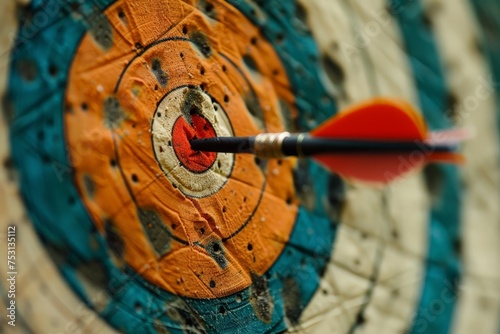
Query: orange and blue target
x: 100, y: 130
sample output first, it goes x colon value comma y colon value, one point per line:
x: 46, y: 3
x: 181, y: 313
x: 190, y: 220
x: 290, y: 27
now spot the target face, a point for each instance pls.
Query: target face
x: 197, y: 218
x: 183, y: 236
x: 104, y: 97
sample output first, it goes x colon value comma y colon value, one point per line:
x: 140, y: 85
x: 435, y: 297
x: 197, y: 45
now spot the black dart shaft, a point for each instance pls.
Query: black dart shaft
x: 277, y: 145
x: 224, y: 144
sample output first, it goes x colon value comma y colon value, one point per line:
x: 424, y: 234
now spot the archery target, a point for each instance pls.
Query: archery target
x: 157, y: 238
x: 173, y: 239
x: 198, y: 219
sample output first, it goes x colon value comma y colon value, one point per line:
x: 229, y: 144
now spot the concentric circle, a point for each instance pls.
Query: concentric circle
x: 183, y: 114
x: 85, y: 86
x: 171, y: 206
x: 174, y: 238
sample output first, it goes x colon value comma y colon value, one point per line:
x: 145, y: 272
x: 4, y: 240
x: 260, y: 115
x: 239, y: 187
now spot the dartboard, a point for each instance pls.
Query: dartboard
x: 121, y: 227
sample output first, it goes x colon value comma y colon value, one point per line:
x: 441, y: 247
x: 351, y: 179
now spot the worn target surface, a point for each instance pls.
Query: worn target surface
x: 104, y: 96
x: 207, y: 223
x: 195, y: 241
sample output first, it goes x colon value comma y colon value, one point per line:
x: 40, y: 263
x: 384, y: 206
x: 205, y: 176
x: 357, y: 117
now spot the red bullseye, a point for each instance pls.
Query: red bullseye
x: 183, y: 133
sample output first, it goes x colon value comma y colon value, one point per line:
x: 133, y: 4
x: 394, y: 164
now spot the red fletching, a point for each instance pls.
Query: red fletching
x: 371, y: 168
x: 378, y: 119
x: 383, y: 119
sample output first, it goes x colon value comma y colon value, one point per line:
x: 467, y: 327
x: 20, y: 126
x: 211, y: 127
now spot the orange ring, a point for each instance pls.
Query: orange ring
x: 203, y: 247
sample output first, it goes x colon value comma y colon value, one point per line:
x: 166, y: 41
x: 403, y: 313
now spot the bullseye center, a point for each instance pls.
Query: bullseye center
x: 182, y: 134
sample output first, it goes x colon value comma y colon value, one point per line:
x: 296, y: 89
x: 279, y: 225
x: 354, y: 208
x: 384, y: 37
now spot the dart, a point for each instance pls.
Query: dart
x: 375, y: 141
